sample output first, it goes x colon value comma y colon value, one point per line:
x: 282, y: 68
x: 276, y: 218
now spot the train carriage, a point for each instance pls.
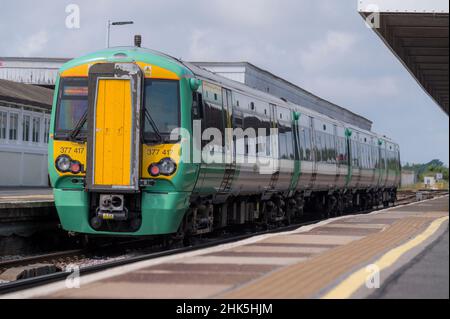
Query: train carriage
x: 131, y: 153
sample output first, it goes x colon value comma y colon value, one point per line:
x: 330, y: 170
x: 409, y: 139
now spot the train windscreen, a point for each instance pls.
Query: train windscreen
x: 162, y: 109
x: 72, y: 104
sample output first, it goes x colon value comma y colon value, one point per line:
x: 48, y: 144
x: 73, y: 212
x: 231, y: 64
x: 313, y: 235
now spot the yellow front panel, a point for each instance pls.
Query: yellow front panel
x: 155, y: 153
x: 76, y: 151
x: 113, y: 120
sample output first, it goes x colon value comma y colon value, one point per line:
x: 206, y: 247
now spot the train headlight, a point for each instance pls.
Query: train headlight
x: 167, y: 166
x: 63, y: 163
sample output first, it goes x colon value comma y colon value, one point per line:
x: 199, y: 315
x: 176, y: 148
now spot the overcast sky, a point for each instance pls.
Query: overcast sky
x: 322, y: 46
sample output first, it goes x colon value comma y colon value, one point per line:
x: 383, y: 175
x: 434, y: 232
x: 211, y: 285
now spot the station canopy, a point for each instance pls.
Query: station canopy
x: 416, y: 31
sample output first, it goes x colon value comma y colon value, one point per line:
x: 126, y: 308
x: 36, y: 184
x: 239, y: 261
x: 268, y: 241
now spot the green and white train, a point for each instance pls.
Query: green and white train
x: 116, y: 169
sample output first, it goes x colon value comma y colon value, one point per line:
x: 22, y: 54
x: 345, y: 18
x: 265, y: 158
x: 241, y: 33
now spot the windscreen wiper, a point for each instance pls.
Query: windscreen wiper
x: 153, y: 124
x: 76, y: 130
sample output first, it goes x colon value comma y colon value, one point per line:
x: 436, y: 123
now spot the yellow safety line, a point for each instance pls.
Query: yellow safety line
x: 352, y: 283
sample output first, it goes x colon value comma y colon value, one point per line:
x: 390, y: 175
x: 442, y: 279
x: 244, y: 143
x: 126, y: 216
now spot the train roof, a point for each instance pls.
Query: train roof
x: 135, y: 53
x: 240, y: 87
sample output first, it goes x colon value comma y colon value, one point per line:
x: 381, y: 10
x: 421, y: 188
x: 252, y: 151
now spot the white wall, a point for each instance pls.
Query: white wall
x: 23, y: 163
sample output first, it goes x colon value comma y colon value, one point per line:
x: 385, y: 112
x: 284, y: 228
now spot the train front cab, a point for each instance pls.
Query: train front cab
x: 112, y: 163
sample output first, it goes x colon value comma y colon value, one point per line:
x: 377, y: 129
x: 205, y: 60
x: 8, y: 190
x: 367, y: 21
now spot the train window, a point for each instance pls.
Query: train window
x: 215, y: 96
x: 162, y: 101
x: 301, y: 142
x: 367, y: 154
x: 341, y: 150
x: 376, y: 156
x: 252, y: 106
x: 354, y: 153
x: 283, y: 146
x: 318, y: 146
x: 373, y: 157
x: 308, y: 148
x: 252, y: 122
x: 362, y: 155
x: 383, y: 158
x: 331, y: 149
x: 197, y: 106
x: 238, y: 120
x: 327, y: 148
x: 296, y: 141
x: 72, y: 103
x: 289, y: 144
x: 237, y: 102
x: 324, y: 127
x: 261, y: 145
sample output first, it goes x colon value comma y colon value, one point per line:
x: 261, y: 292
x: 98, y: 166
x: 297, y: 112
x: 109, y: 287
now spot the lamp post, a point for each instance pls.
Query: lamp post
x: 108, y: 31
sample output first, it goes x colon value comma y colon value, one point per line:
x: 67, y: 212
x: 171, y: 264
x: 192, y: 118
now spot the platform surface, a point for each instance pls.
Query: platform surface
x: 24, y: 197
x: 327, y: 260
x: 424, y: 277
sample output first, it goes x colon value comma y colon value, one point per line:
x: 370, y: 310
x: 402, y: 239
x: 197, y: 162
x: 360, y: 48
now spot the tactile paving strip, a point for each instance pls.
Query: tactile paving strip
x: 306, y: 279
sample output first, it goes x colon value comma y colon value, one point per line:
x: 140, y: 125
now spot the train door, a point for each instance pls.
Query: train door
x: 383, y: 164
x: 285, y: 148
x: 230, y: 146
x: 306, y: 152
x: 113, y: 130
x: 315, y: 151
x: 375, y: 161
x: 274, y: 148
x: 355, y: 157
x: 342, y: 168
x: 296, y: 140
x: 212, y: 150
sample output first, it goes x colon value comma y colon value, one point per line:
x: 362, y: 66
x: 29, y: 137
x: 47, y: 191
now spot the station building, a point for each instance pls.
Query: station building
x: 408, y: 178
x: 24, y: 126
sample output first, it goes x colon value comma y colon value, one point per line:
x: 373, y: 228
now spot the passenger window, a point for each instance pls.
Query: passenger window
x: 283, y: 146
x: 197, y: 106
x: 289, y: 144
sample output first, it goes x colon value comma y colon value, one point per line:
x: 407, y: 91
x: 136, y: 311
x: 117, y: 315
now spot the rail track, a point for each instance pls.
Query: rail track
x: 94, y: 260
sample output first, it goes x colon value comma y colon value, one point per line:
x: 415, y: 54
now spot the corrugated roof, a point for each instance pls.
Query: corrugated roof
x: 26, y: 94
x: 417, y: 34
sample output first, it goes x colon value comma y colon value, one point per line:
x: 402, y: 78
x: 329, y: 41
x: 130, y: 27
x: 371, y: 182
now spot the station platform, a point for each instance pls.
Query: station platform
x: 373, y: 255
x: 25, y: 197
x: 25, y: 210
